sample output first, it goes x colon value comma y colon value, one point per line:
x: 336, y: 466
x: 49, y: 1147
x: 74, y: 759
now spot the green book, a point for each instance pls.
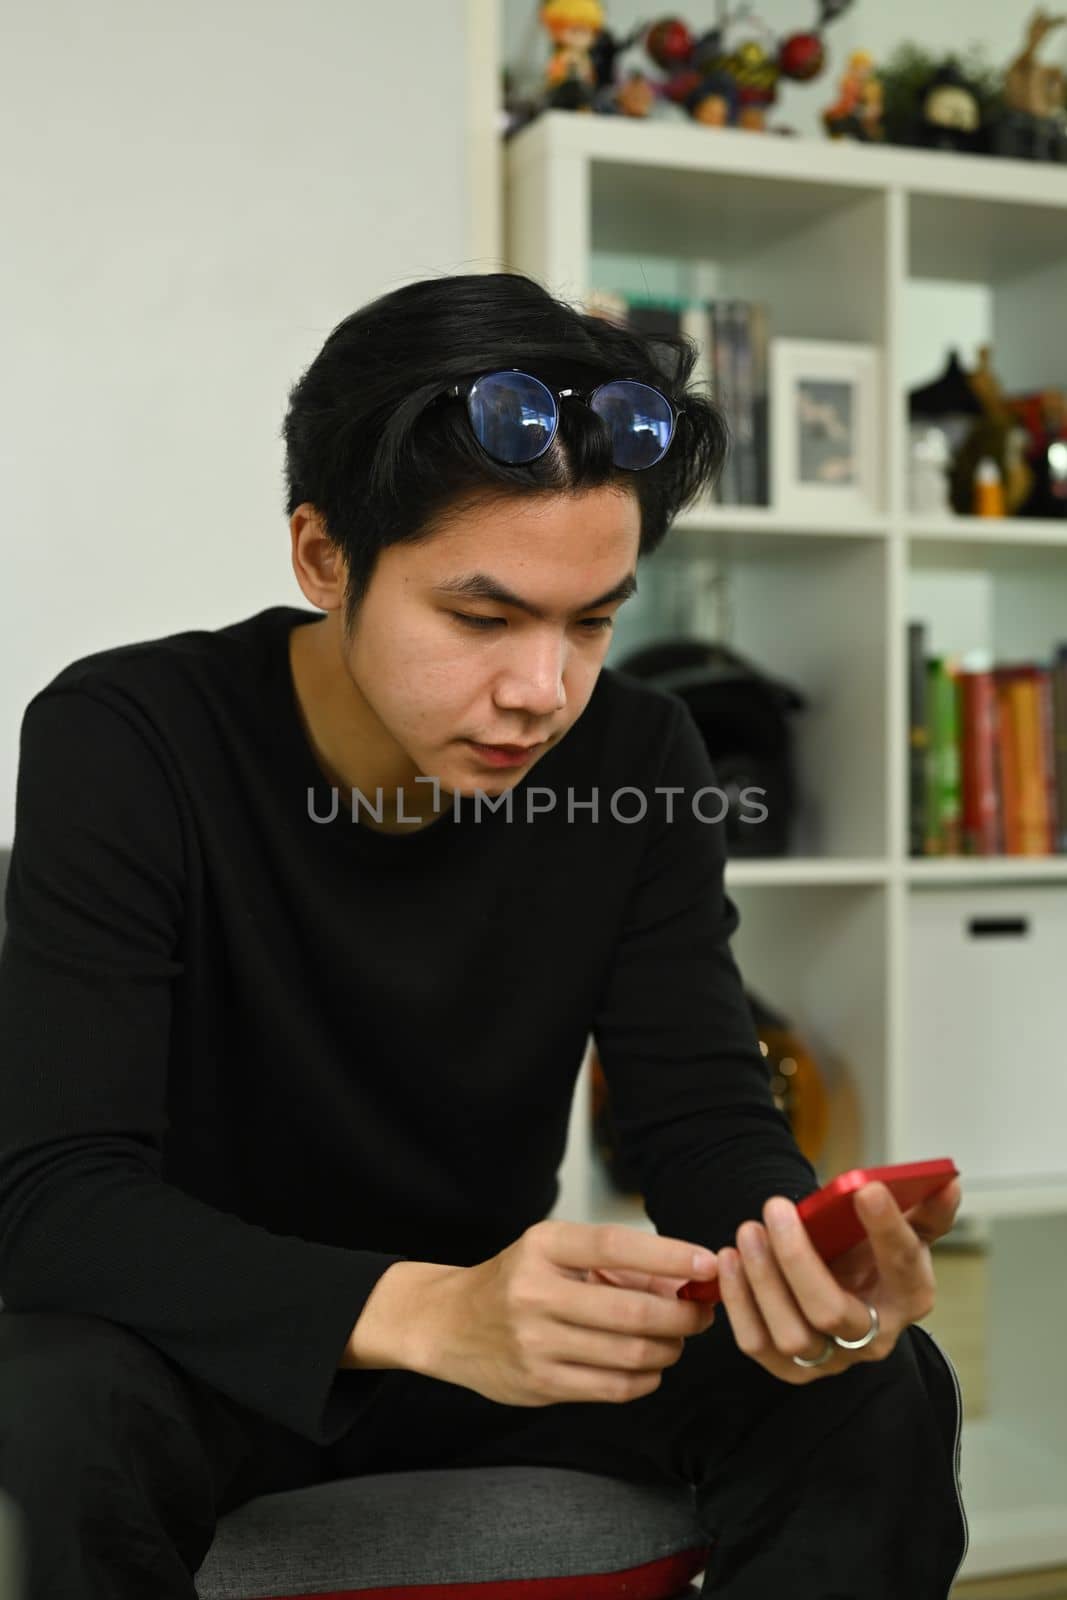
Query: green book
x: 944, y: 797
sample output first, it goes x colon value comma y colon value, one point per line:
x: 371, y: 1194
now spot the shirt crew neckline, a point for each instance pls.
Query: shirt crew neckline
x: 357, y: 835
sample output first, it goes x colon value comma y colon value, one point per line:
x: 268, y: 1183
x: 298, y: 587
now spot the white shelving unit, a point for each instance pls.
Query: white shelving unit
x: 843, y: 242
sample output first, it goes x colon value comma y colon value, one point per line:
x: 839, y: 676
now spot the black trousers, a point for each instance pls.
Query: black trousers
x: 844, y: 1489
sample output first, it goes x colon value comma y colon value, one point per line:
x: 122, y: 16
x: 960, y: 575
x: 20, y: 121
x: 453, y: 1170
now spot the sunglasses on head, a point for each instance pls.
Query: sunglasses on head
x: 515, y: 417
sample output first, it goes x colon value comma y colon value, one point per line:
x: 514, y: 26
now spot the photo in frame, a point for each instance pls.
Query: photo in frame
x: 824, y: 433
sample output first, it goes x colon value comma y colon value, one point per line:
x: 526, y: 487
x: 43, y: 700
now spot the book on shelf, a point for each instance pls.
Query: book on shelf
x: 737, y: 334
x: 759, y: 332
x: 980, y: 818
x: 1058, y: 711
x: 987, y: 759
x: 917, y: 739
x: 1030, y: 827
x: 745, y: 445
x: 731, y: 338
x: 720, y: 341
x: 944, y: 814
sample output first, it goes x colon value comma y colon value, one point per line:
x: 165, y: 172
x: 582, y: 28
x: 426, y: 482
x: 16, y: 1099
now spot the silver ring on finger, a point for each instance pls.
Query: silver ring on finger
x: 819, y: 1360
x: 871, y: 1334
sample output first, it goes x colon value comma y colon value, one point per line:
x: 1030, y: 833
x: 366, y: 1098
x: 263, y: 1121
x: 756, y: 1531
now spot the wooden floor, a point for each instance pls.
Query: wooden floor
x: 958, y: 1319
x: 1046, y: 1585
x: 958, y: 1322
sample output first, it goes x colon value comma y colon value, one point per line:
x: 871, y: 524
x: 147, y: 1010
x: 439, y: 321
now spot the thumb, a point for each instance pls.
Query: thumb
x: 935, y: 1215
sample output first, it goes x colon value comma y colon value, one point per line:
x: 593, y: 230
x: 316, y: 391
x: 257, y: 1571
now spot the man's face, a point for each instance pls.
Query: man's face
x: 441, y: 668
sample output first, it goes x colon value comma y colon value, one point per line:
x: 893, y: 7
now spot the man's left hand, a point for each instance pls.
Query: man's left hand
x: 784, y: 1300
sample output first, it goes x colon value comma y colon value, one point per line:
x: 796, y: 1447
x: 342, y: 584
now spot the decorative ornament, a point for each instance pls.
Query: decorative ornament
x: 581, y: 72
x: 1030, y: 85
x: 740, y: 47
x: 605, y: 51
x: 635, y: 97
x: 857, y: 111
x: 573, y: 26
x: 907, y: 76
x: 1033, y: 125
x: 1042, y: 419
x: 950, y: 113
x: 797, y: 1080
x: 714, y: 100
x: 669, y: 43
x: 801, y: 56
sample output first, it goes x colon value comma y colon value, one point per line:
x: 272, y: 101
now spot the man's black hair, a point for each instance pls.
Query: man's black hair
x: 382, y: 466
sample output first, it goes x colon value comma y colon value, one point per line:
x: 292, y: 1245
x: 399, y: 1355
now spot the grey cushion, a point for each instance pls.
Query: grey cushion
x: 485, y: 1526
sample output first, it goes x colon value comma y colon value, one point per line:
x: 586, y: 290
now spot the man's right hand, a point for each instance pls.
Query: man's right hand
x: 571, y: 1311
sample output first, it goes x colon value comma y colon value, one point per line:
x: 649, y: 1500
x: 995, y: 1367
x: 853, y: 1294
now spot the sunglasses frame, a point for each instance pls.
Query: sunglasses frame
x: 463, y: 391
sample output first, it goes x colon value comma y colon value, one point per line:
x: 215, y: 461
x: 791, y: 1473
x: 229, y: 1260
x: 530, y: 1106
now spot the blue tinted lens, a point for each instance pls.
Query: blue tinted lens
x: 639, y: 419
x: 513, y: 416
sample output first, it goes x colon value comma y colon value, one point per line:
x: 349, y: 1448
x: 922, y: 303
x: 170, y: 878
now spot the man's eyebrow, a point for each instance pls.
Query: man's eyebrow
x: 481, y: 586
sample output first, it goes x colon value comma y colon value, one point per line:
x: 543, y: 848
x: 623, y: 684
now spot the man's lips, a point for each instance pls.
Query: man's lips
x: 507, y: 755
x: 509, y: 749
x: 511, y: 744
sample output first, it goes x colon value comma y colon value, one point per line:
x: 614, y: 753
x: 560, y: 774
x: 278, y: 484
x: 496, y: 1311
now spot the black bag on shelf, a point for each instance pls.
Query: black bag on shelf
x: 743, y: 714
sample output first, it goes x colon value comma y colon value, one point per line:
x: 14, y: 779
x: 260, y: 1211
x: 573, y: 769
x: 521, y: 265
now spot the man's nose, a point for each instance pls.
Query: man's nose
x: 533, y: 679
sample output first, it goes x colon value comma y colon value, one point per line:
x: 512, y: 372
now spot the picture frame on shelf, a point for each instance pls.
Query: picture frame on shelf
x: 824, y: 404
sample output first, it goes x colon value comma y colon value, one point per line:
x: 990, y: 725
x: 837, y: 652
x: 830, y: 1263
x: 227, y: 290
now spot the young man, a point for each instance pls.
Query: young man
x: 310, y: 918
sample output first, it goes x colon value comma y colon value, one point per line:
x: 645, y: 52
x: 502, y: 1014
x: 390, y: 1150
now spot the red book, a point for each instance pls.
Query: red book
x: 981, y: 811
x: 1007, y: 761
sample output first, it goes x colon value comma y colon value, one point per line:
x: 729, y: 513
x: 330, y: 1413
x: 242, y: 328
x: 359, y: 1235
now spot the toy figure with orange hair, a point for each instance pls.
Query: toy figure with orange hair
x: 857, y: 111
x: 573, y: 26
x: 852, y: 85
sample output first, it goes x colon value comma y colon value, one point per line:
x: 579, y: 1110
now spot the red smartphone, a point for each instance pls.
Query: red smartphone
x: 830, y: 1215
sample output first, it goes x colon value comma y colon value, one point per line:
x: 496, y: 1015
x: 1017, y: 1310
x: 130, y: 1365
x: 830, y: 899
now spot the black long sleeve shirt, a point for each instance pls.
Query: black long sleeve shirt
x: 254, y: 1052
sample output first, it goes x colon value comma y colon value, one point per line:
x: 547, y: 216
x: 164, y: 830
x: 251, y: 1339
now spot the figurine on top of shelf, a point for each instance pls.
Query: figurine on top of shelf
x: 1032, y: 123
x: 714, y: 101
x: 580, y: 75
x: 1030, y: 85
x: 949, y: 112
x: 857, y: 111
x: 581, y: 72
x: 742, y: 48
x: 573, y: 26
x: 606, y: 50
x: 937, y: 102
x: 634, y: 97
x: 748, y: 54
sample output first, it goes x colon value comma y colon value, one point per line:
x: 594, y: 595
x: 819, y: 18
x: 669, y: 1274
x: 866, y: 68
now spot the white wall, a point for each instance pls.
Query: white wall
x: 875, y: 25
x: 200, y: 193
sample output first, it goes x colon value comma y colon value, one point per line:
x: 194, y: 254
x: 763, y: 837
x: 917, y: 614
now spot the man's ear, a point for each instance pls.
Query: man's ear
x: 318, y: 563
